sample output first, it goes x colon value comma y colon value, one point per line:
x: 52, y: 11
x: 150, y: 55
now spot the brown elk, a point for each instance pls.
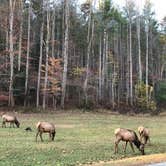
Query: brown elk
x: 144, y: 134
x: 10, y: 119
x: 45, y: 127
x: 130, y: 136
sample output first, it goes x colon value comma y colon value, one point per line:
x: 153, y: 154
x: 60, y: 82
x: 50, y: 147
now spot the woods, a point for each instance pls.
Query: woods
x: 90, y: 54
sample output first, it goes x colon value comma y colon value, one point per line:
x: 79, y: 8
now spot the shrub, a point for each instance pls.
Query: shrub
x: 89, y: 105
x: 160, y: 92
x: 141, y: 100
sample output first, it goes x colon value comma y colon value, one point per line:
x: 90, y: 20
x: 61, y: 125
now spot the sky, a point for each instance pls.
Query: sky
x: 159, y: 6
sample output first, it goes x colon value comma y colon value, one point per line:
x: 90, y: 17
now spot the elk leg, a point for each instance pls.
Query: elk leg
x: 50, y: 135
x: 149, y: 140
x: 125, y: 146
x: 142, y: 137
x: 116, y: 145
x: 132, y: 146
x: 37, y: 135
x: 3, y: 124
x: 41, y: 136
x: 53, y: 135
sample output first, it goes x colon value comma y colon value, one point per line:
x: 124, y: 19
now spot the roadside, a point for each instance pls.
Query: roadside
x: 158, y: 164
x: 135, y: 161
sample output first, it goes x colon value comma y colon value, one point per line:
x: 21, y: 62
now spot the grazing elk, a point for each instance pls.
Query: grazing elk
x: 10, y: 119
x: 127, y: 136
x: 144, y: 134
x: 45, y: 127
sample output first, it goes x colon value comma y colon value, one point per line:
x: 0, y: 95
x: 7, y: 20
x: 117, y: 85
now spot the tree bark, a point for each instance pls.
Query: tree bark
x: 7, y: 43
x: 28, y: 52
x: 65, y: 53
x: 104, y: 64
x: 20, y: 36
x: 131, y: 64
x: 11, y: 50
x: 40, y: 64
x: 47, y: 54
x: 139, y: 50
x: 147, y: 61
x: 88, y: 57
x: 53, y: 34
x: 100, y: 70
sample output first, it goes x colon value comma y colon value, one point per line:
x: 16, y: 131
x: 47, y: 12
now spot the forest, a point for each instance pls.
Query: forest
x: 82, y: 54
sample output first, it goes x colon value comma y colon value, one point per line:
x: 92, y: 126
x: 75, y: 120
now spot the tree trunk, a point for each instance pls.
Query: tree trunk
x: 100, y: 70
x: 11, y: 51
x: 131, y: 65
x: 20, y: 36
x: 53, y: 35
x: 127, y: 68
x: 90, y: 38
x: 139, y: 50
x: 103, y: 65
x: 46, y: 65
x: 147, y: 61
x: 40, y: 64
x: 27, y: 56
x: 65, y: 53
x: 7, y: 44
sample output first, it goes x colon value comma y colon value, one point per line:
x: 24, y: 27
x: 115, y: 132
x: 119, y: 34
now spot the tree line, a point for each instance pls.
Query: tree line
x: 90, y: 55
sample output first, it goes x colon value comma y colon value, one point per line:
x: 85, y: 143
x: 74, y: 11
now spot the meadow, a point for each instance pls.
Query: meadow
x: 82, y: 138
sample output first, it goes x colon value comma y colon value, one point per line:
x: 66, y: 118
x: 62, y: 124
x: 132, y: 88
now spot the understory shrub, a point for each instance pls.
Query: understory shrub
x: 142, y: 102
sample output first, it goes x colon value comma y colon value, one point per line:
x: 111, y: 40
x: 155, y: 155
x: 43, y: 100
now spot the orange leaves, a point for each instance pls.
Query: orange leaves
x: 54, y: 75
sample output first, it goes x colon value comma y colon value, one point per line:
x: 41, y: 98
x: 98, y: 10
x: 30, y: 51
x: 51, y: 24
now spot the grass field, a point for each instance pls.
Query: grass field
x: 82, y: 138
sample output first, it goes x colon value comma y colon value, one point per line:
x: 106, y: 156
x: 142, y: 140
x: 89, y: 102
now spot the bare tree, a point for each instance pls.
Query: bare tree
x: 47, y: 54
x: 147, y: 60
x: 65, y: 52
x: 139, y: 49
x: 40, y: 64
x: 147, y: 16
x: 28, y: 52
x: 11, y: 50
x: 130, y: 14
x: 53, y: 34
x: 20, y: 35
x: 104, y: 64
x: 100, y: 69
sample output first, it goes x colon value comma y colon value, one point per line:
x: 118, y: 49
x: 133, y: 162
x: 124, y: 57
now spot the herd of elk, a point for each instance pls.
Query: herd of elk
x: 42, y: 127
x: 121, y: 134
x: 130, y: 136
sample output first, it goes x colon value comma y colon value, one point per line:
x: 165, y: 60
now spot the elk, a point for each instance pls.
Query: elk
x: 144, y: 134
x: 10, y: 119
x: 45, y: 127
x: 130, y: 136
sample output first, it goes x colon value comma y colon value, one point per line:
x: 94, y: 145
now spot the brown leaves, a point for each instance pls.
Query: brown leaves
x: 54, y: 75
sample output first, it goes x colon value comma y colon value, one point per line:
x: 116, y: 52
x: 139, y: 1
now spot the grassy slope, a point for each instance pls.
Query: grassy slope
x: 81, y: 138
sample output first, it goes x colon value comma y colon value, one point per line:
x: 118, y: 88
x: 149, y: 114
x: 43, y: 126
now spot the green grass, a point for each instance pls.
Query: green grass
x: 81, y: 138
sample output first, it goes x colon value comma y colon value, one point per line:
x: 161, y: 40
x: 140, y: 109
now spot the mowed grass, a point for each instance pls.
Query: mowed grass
x: 82, y: 138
